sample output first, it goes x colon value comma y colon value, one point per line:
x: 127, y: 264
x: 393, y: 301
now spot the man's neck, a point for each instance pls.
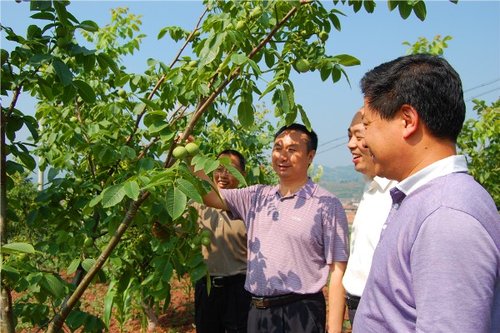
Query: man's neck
x: 288, y: 188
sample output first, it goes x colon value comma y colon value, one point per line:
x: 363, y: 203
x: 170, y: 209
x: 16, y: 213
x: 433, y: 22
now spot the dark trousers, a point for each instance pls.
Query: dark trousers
x: 303, y: 316
x: 225, y: 309
x: 352, y: 303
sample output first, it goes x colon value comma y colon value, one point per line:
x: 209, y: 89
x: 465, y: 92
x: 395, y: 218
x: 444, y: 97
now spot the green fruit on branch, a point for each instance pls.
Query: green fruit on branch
x: 256, y: 12
x: 302, y: 65
x: 179, y: 152
x: 240, y: 25
x: 206, y: 233
x: 197, y: 240
x: 205, y: 241
x: 323, y: 35
x: 122, y: 93
x: 192, y: 148
x: 194, y: 35
x: 88, y: 242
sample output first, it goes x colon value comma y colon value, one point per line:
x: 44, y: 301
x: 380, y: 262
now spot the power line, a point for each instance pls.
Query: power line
x: 481, y: 94
x: 467, y: 100
x: 331, y: 148
x: 332, y: 140
x: 482, y: 85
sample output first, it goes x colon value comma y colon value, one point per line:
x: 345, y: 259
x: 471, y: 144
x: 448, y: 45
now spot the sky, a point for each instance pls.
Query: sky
x: 374, y: 38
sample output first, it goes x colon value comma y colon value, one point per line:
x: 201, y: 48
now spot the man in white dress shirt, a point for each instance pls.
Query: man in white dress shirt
x: 370, y: 217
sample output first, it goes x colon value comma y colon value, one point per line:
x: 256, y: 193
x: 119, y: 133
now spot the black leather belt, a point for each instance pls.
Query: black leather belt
x: 270, y: 301
x: 352, y: 301
x: 221, y: 281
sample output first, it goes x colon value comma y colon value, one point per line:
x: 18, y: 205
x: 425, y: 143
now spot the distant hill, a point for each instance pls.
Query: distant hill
x: 343, y: 181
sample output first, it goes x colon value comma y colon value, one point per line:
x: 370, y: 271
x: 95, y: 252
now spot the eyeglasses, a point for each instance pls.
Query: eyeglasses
x: 221, y: 170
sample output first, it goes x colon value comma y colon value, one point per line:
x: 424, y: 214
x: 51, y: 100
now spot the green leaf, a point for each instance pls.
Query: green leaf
x: 189, y: 189
x: 369, y: 5
x: 404, y: 9
x: 61, y: 11
x: 53, y: 285
x: 167, y: 272
x: 150, y: 103
x: 95, y: 200
x: 356, y: 5
x: 392, y: 4
x: 325, y: 72
x: 176, y: 202
x: 63, y: 72
x: 198, y: 272
x: 245, y: 114
x: 73, y: 266
x: 239, y: 59
x: 106, y: 61
x: 76, y: 319
x: 210, y: 165
x: 420, y: 10
x: 269, y: 58
x: 40, y: 5
x: 88, y: 25
x: 336, y: 74
x: 284, y: 105
x: 157, y: 126
x: 108, y: 304
x: 335, y: 21
x: 112, y: 195
x: 131, y: 189
x: 162, y: 33
x: 89, y: 62
x: 211, y: 49
x: 303, y: 116
x: 127, y: 152
x: 17, y: 247
x: 85, y: 91
x: 69, y: 93
x: 347, y: 60
x: 271, y: 85
x: 13, y: 167
x: 88, y: 263
x: 235, y: 172
x: 43, y: 16
x: 32, y: 125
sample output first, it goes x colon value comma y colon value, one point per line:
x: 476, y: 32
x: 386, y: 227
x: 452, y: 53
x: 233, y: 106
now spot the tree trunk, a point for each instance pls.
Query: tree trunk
x: 6, y: 314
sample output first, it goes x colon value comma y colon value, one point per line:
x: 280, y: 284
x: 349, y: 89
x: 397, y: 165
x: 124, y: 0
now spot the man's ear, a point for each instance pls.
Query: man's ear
x: 409, y: 119
x: 311, y: 155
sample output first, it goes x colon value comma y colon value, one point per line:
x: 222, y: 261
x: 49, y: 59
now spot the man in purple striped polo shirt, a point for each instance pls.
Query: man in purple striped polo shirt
x: 437, y: 265
x: 297, y: 242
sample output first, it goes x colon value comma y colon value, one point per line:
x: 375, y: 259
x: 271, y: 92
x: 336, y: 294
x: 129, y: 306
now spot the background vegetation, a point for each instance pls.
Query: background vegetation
x: 114, y: 206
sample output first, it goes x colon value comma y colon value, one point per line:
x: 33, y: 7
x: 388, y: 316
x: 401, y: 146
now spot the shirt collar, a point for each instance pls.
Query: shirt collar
x: 306, y: 191
x: 451, y: 164
x: 380, y: 183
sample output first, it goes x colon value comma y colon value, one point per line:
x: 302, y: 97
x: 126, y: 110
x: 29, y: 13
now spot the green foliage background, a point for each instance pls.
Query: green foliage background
x: 114, y: 207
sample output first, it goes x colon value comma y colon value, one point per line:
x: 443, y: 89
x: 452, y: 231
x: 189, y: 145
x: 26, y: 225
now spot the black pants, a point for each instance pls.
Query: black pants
x: 303, y: 316
x: 225, y: 309
x: 352, y: 303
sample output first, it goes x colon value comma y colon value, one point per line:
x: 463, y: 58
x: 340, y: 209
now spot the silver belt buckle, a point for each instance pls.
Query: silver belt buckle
x: 259, y: 302
x: 216, y: 284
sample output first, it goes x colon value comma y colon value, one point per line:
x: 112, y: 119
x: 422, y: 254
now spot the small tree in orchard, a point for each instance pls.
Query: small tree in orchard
x: 111, y: 144
x: 480, y: 143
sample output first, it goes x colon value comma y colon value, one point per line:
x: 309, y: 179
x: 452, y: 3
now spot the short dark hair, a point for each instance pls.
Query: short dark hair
x: 312, y: 143
x: 236, y: 153
x: 426, y: 82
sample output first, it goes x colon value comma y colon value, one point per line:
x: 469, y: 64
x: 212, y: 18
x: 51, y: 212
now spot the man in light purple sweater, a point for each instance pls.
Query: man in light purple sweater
x: 297, y: 242
x: 437, y: 265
